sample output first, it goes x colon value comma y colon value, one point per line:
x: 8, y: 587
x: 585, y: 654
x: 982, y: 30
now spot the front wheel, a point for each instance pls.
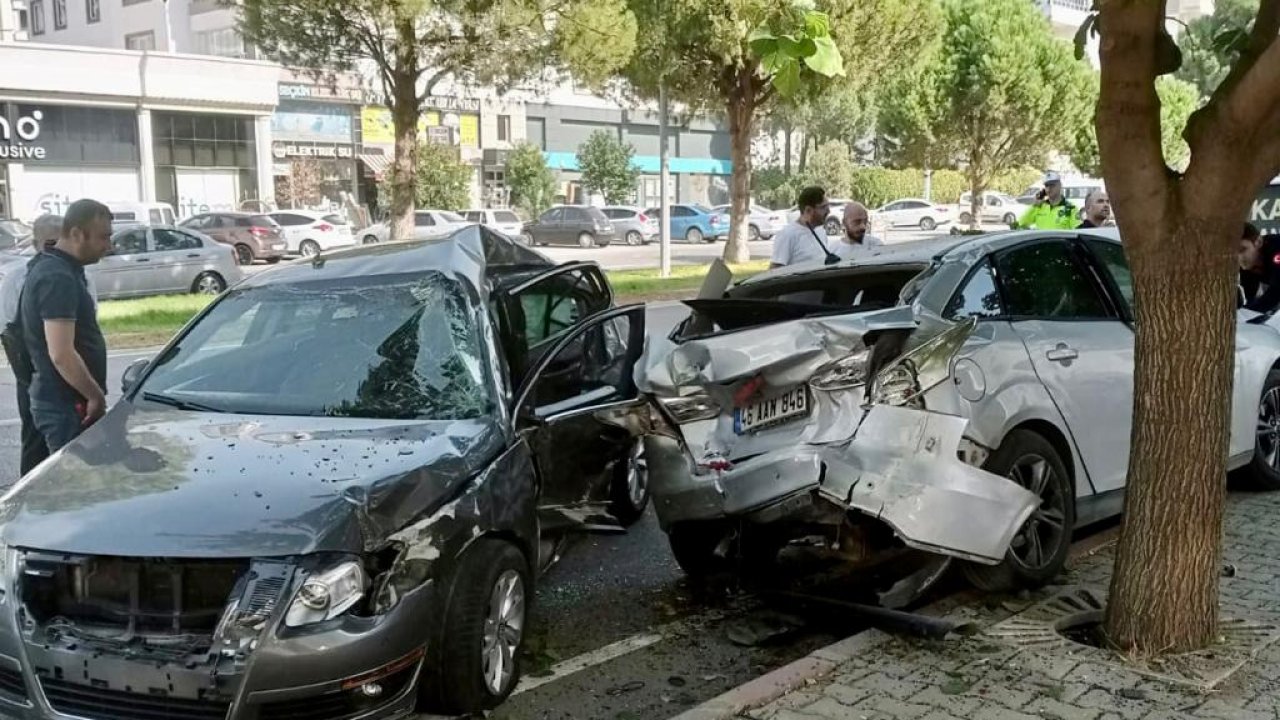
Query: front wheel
x: 369, y: 239
x: 694, y: 235
x: 476, y: 663
x: 928, y: 224
x: 753, y: 234
x: 629, y: 491
x: 1039, y: 549
x: 1264, y: 471
x: 209, y: 283
x: 586, y: 240
x: 634, y: 239
x: 966, y: 218
x: 833, y: 226
x: 1009, y: 219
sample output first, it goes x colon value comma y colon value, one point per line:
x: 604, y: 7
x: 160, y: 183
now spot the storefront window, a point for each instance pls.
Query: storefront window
x: 81, y: 135
x: 204, y: 162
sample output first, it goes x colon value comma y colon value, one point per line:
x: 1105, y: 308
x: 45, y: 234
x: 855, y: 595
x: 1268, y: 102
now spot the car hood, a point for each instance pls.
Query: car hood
x: 168, y: 483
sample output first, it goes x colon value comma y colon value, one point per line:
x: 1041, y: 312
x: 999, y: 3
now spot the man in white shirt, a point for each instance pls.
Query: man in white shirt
x: 802, y: 241
x: 855, y: 220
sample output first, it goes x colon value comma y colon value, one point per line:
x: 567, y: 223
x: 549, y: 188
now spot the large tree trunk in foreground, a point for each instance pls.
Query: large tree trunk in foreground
x: 404, y: 118
x: 742, y: 108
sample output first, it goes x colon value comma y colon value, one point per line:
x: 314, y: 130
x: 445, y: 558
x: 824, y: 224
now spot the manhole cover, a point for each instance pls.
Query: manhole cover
x: 1049, y: 626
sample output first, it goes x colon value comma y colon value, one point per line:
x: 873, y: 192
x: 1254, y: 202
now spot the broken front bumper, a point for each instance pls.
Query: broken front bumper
x: 901, y: 467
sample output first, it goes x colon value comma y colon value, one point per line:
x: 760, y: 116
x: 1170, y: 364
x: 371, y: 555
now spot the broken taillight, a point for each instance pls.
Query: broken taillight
x: 748, y: 390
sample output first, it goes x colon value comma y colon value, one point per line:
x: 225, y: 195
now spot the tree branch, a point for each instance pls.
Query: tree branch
x: 1128, y: 120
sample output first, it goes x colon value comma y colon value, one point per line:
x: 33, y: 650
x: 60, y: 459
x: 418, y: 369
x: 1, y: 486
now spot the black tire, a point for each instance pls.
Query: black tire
x: 694, y: 545
x: 208, y: 283
x: 1009, y: 219
x: 1019, y: 451
x: 629, y: 491
x: 753, y: 234
x: 273, y: 260
x: 1263, y: 472
x: 634, y: 239
x: 586, y: 240
x: 309, y: 248
x: 927, y: 224
x: 966, y: 218
x: 833, y: 226
x: 370, y: 239
x: 244, y: 254
x: 453, y: 680
x: 694, y: 235
x: 527, y: 239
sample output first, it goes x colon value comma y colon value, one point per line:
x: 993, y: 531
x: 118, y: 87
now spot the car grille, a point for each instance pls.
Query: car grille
x: 339, y: 705
x: 98, y: 704
x: 12, y: 685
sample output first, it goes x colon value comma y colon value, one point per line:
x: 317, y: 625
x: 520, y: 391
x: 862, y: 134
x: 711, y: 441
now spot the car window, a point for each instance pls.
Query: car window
x: 155, y: 216
x: 266, y: 221
x: 978, y: 298
x: 473, y: 216
x: 593, y: 369
x: 123, y: 217
x: 1043, y: 280
x: 551, y: 216
x: 199, y: 222
x: 335, y: 219
x: 1112, y: 256
x: 549, y: 308
x: 616, y: 213
x: 576, y: 216
x: 173, y: 240
x: 891, y: 207
x: 290, y: 219
x: 423, y: 220
x: 506, y: 216
x: 915, y: 205
x: 167, y: 216
x: 451, y: 217
x: 654, y: 212
x: 992, y: 201
x: 392, y: 347
x: 129, y: 242
x: 681, y: 211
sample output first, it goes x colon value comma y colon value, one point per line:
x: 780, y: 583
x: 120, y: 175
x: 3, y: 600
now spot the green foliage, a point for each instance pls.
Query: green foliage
x: 831, y: 168
x: 531, y: 182
x: 442, y: 180
x: 1208, y: 46
x: 595, y: 39
x: 1178, y: 99
x: 876, y: 186
x: 607, y: 167
x: 773, y: 188
x: 1000, y: 92
x: 793, y: 43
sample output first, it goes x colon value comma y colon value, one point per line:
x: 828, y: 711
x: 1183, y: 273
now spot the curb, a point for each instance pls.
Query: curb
x: 771, y: 686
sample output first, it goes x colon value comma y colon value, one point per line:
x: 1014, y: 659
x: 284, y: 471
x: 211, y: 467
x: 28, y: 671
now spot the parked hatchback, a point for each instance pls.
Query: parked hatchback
x: 695, y: 223
x: 331, y: 495
x: 580, y: 225
x: 308, y: 233
x: 762, y: 223
x: 163, y: 260
x: 254, y: 237
x: 504, y: 221
x: 632, y: 223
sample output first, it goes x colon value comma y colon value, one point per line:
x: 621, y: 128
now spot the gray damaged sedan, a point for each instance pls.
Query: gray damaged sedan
x: 967, y: 400
x: 329, y: 496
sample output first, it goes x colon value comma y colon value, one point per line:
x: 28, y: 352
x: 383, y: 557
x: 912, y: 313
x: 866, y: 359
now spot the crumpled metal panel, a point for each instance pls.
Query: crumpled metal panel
x: 902, y: 467
x: 785, y: 353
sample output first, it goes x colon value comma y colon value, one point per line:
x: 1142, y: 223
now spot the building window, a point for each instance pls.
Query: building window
x: 92, y: 11
x: 141, y: 41
x: 37, y: 17
x: 59, y: 14
x: 134, y: 2
x: 224, y: 42
x: 504, y: 128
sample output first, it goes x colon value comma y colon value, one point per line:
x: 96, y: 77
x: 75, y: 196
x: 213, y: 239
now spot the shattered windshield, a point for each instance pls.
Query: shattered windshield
x: 395, y: 347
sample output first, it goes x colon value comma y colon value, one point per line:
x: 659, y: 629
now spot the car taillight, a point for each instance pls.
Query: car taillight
x: 324, y: 227
x: 715, y: 219
x: 260, y: 231
x: 644, y: 218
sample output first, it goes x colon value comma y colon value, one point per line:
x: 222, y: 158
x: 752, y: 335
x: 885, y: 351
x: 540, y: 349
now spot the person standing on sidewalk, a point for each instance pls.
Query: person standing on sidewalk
x: 799, y: 241
x: 60, y: 328
x: 1052, y: 211
x: 856, y: 220
x: 1097, y: 210
x: 44, y: 233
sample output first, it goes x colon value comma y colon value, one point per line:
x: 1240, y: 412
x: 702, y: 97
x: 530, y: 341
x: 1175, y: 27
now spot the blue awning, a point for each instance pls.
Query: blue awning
x: 650, y: 164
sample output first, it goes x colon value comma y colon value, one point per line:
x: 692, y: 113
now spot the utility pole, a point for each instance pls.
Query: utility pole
x: 664, y: 177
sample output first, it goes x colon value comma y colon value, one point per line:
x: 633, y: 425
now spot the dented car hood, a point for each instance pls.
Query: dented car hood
x: 160, y: 482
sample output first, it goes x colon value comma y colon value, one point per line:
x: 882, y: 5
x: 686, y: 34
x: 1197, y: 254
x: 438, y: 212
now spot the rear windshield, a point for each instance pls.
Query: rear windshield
x: 335, y: 219
x: 858, y: 288
x: 506, y: 216
x: 263, y: 221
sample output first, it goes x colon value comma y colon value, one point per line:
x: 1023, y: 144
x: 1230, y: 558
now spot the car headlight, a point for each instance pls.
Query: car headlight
x: 327, y: 595
x: 691, y: 408
x: 847, y: 372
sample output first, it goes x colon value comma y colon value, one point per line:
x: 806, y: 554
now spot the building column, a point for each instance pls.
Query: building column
x: 146, y: 157
x: 266, y: 173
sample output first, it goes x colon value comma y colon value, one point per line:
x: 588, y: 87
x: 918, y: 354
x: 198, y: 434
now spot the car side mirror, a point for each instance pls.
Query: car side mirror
x: 132, y: 374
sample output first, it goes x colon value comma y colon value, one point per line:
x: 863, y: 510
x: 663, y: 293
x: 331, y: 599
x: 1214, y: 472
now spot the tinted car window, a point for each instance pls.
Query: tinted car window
x: 616, y: 213
x: 593, y: 215
x: 335, y: 219
x: 1044, y: 280
x: 552, y: 216
x: 979, y: 296
x: 399, y: 347
x: 473, y: 216
x: 1112, y: 256
x: 423, y: 220
x: 290, y: 220
x: 265, y: 221
x: 681, y: 211
x: 593, y: 364
x: 575, y: 215
x: 130, y: 242
x: 451, y: 217
x: 174, y: 240
x: 506, y: 216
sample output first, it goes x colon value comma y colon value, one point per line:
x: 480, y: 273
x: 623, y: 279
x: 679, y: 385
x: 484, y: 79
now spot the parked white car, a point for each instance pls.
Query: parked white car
x: 308, y: 233
x: 972, y: 402
x: 835, y: 215
x: 164, y: 260
x: 996, y: 208
x: 912, y: 212
x: 763, y: 222
x: 506, y: 222
x: 427, y: 225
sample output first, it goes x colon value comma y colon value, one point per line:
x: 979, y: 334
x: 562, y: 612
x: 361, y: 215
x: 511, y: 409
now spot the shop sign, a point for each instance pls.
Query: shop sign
x: 292, y: 150
x: 302, y: 91
x: 466, y: 105
x: 20, y: 135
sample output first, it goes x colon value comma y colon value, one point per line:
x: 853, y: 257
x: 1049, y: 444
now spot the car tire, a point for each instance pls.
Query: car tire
x: 1263, y: 471
x: 586, y: 240
x: 1009, y: 219
x: 370, y: 240
x: 273, y: 260
x: 455, y: 681
x: 629, y: 491
x: 527, y: 239
x: 753, y: 234
x: 694, y: 235
x: 928, y: 224
x: 833, y: 226
x: 244, y: 254
x: 966, y: 218
x: 309, y: 248
x: 634, y: 239
x: 694, y: 546
x: 208, y: 283
x: 1038, y: 551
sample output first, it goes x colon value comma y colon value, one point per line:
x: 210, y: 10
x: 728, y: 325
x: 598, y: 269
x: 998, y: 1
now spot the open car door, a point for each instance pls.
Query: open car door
x: 579, y: 409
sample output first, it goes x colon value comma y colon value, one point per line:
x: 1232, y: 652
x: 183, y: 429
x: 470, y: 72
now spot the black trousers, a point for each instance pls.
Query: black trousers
x: 34, y: 449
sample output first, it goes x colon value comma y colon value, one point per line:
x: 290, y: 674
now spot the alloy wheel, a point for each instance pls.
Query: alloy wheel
x: 209, y: 285
x: 633, y: 238
x: 637, y: 476
x: 753, y: 234
x: 503, y: 631
x: 309, y: 249
x: 1269, y: 428
x: 1036, y: 543
x: 244, y: 255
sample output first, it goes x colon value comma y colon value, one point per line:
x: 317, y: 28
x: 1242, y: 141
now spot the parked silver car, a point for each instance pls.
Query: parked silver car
x: 632, y: 224
x: 162, y: 260
x: 427, y: 225
x: 763, y: 223
x: 969, y: 399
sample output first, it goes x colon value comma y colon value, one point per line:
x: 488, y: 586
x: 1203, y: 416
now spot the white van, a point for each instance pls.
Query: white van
x: 141, y: 213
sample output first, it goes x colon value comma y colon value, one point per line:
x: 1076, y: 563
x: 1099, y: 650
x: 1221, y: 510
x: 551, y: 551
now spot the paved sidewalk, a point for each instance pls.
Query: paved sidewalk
x: 875, y: 676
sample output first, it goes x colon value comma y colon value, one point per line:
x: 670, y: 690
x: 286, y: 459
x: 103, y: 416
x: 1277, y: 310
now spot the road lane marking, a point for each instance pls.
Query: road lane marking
x: 599, y: 656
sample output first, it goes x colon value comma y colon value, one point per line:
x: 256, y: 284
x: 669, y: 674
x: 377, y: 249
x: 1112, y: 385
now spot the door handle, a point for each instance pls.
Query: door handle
x: 143, y: 260
x: 193, y: 255
x: 1062, y: 354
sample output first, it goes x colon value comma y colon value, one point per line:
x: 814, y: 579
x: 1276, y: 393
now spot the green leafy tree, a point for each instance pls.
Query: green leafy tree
x: 532, y: 183
x: 412, y: 45
x: 999, y: 92
x: 1207, y: 51
x: 1178, y: 99
x: 838, y: 110
x: 607, y: 167
x: 443, y: 181
x: 737, y: 57
x: 831, y: 169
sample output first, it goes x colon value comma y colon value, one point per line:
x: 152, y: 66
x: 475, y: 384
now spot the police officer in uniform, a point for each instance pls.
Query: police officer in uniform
x: 1052, y: 211
x: 1259, y: 266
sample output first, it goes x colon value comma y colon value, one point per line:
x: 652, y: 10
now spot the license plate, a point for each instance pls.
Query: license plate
x: 775, y: 410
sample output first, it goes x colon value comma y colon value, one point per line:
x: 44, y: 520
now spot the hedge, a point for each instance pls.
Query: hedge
x: 875, y: 186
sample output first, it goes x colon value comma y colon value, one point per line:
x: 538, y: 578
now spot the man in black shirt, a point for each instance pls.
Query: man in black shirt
x: 1097, y: 209
x: 60, y: 328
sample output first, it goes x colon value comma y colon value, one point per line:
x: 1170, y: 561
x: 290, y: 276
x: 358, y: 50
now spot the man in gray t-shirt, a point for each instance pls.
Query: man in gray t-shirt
x: 801, y: 241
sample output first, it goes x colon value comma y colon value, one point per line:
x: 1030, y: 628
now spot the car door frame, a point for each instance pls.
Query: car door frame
x: 513, y: 339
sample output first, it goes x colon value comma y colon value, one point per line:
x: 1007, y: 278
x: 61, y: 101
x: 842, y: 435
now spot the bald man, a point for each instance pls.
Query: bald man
x: 856, y: 221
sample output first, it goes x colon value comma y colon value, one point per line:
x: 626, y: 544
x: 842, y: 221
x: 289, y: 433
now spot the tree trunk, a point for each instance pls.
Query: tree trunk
x: 404, y: 118
x: 742, y: 108
x: 804, y: 151
x: 977, y: 186
x: 786, y: 151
